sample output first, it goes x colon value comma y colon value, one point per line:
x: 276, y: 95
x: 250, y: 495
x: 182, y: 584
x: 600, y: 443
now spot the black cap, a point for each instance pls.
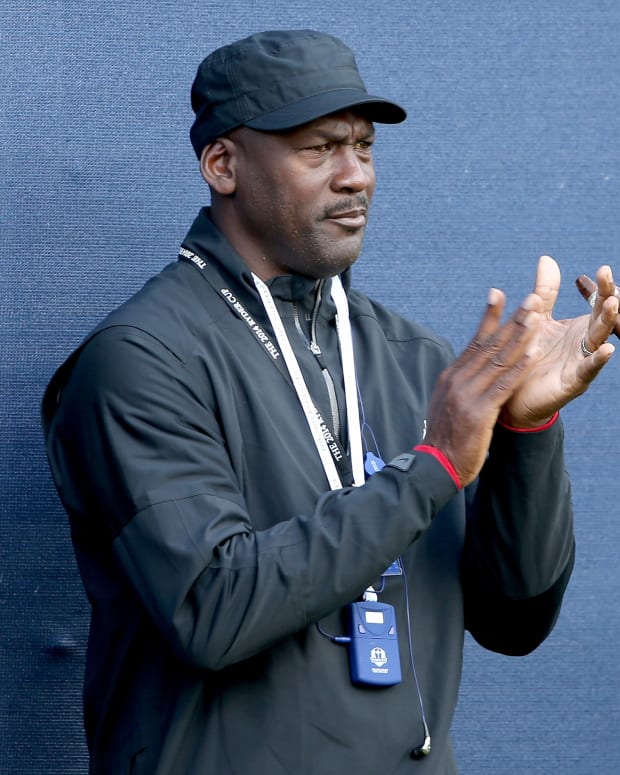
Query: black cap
x: 278, y: 80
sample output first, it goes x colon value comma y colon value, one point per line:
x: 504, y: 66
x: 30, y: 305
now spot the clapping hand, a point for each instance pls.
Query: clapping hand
x: 521, y: 371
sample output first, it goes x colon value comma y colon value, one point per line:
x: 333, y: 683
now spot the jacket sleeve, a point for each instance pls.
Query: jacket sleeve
x: 140, y: 462
x: 519, y: 544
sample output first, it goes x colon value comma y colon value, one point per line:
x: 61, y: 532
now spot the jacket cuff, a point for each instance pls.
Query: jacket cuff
x: 439, y: 455
x: 538, y: 428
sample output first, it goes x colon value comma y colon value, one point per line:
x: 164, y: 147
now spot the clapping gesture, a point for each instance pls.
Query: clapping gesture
x: 520, y: 372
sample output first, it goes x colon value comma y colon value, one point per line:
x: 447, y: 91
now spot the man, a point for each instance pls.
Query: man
x: 267, y: 474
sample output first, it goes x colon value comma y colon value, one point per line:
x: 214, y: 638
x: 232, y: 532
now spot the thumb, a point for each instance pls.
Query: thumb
x: 547, y: 284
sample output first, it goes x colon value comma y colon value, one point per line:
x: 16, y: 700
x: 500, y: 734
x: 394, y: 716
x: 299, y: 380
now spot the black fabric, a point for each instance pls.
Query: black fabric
x: 209, y: 544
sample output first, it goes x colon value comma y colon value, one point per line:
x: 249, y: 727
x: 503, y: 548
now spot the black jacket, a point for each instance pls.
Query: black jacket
x: 210, y: 545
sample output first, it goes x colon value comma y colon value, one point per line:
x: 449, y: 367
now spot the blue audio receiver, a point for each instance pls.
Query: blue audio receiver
x: 373, y: 650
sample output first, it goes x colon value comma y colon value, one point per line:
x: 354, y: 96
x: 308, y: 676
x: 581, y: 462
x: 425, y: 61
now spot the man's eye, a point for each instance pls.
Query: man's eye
x: 320, y: 148
x: 363, y: 145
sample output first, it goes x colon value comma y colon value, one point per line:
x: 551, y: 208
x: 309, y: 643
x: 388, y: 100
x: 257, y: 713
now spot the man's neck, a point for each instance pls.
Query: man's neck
x: 256, y: 262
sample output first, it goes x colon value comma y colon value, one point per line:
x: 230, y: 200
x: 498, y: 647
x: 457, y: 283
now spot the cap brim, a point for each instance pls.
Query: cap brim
x: 309, y: 108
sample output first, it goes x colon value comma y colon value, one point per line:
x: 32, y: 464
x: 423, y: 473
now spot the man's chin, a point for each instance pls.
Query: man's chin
x: 334, y: 265
x: 328, y: 256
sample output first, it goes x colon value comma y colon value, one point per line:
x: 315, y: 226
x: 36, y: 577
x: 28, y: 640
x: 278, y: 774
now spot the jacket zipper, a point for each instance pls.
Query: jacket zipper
x: 314, y: 348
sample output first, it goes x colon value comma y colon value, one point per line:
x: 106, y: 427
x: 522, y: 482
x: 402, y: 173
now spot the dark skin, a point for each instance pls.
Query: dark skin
x: 294, y: 201
x: 297, y: 202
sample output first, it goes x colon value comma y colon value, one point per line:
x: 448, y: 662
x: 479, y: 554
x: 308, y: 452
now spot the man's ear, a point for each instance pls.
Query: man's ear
x: 217, y: 165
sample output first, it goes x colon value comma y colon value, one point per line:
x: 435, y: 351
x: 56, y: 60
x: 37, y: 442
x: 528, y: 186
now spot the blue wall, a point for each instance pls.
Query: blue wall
x: 511, y: 150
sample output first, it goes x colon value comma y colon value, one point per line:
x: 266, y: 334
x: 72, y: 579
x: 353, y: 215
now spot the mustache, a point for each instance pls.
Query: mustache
x: 360, y: 202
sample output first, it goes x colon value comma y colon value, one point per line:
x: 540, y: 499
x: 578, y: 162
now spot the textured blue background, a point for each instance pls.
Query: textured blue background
x: 511, y: 150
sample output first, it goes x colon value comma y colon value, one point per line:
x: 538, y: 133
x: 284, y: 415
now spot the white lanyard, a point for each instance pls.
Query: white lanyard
x: 345, y: 342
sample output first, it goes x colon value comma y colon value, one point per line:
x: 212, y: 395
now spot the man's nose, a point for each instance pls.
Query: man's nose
x: 351, y: 172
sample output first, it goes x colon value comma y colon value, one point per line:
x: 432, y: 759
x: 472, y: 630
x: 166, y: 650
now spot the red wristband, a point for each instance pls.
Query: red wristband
x: 441, y: 458
x: 544, y: 427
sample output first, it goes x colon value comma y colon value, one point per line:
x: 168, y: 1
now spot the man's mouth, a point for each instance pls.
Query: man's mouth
x: 350, y: 219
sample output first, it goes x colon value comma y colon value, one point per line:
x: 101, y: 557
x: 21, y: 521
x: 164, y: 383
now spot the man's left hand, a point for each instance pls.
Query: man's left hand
x: 571, y: 352
x: 587, y: 288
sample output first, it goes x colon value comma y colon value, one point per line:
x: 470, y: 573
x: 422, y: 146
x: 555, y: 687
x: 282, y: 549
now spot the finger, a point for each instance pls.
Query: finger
x: 606, y: 289
x: 589, y: 367
x: 605, y: 285
x: 510, y: 352
x: 547, y: 284
x: 488, y: 324
x: 600, y: 326
x: 496, y: 303
x: 490, y: 356
x: 587, y: 288
x: 590, y: 291
x: 491, y: 337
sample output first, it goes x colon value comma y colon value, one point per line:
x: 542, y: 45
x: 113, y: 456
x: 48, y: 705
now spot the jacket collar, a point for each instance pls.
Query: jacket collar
x: 204, y: 238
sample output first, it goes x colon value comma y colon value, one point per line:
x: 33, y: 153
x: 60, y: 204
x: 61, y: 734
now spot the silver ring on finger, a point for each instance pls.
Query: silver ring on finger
x: 584, y: 348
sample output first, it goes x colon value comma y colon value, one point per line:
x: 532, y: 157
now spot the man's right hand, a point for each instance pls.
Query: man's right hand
x: 471, y: 392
